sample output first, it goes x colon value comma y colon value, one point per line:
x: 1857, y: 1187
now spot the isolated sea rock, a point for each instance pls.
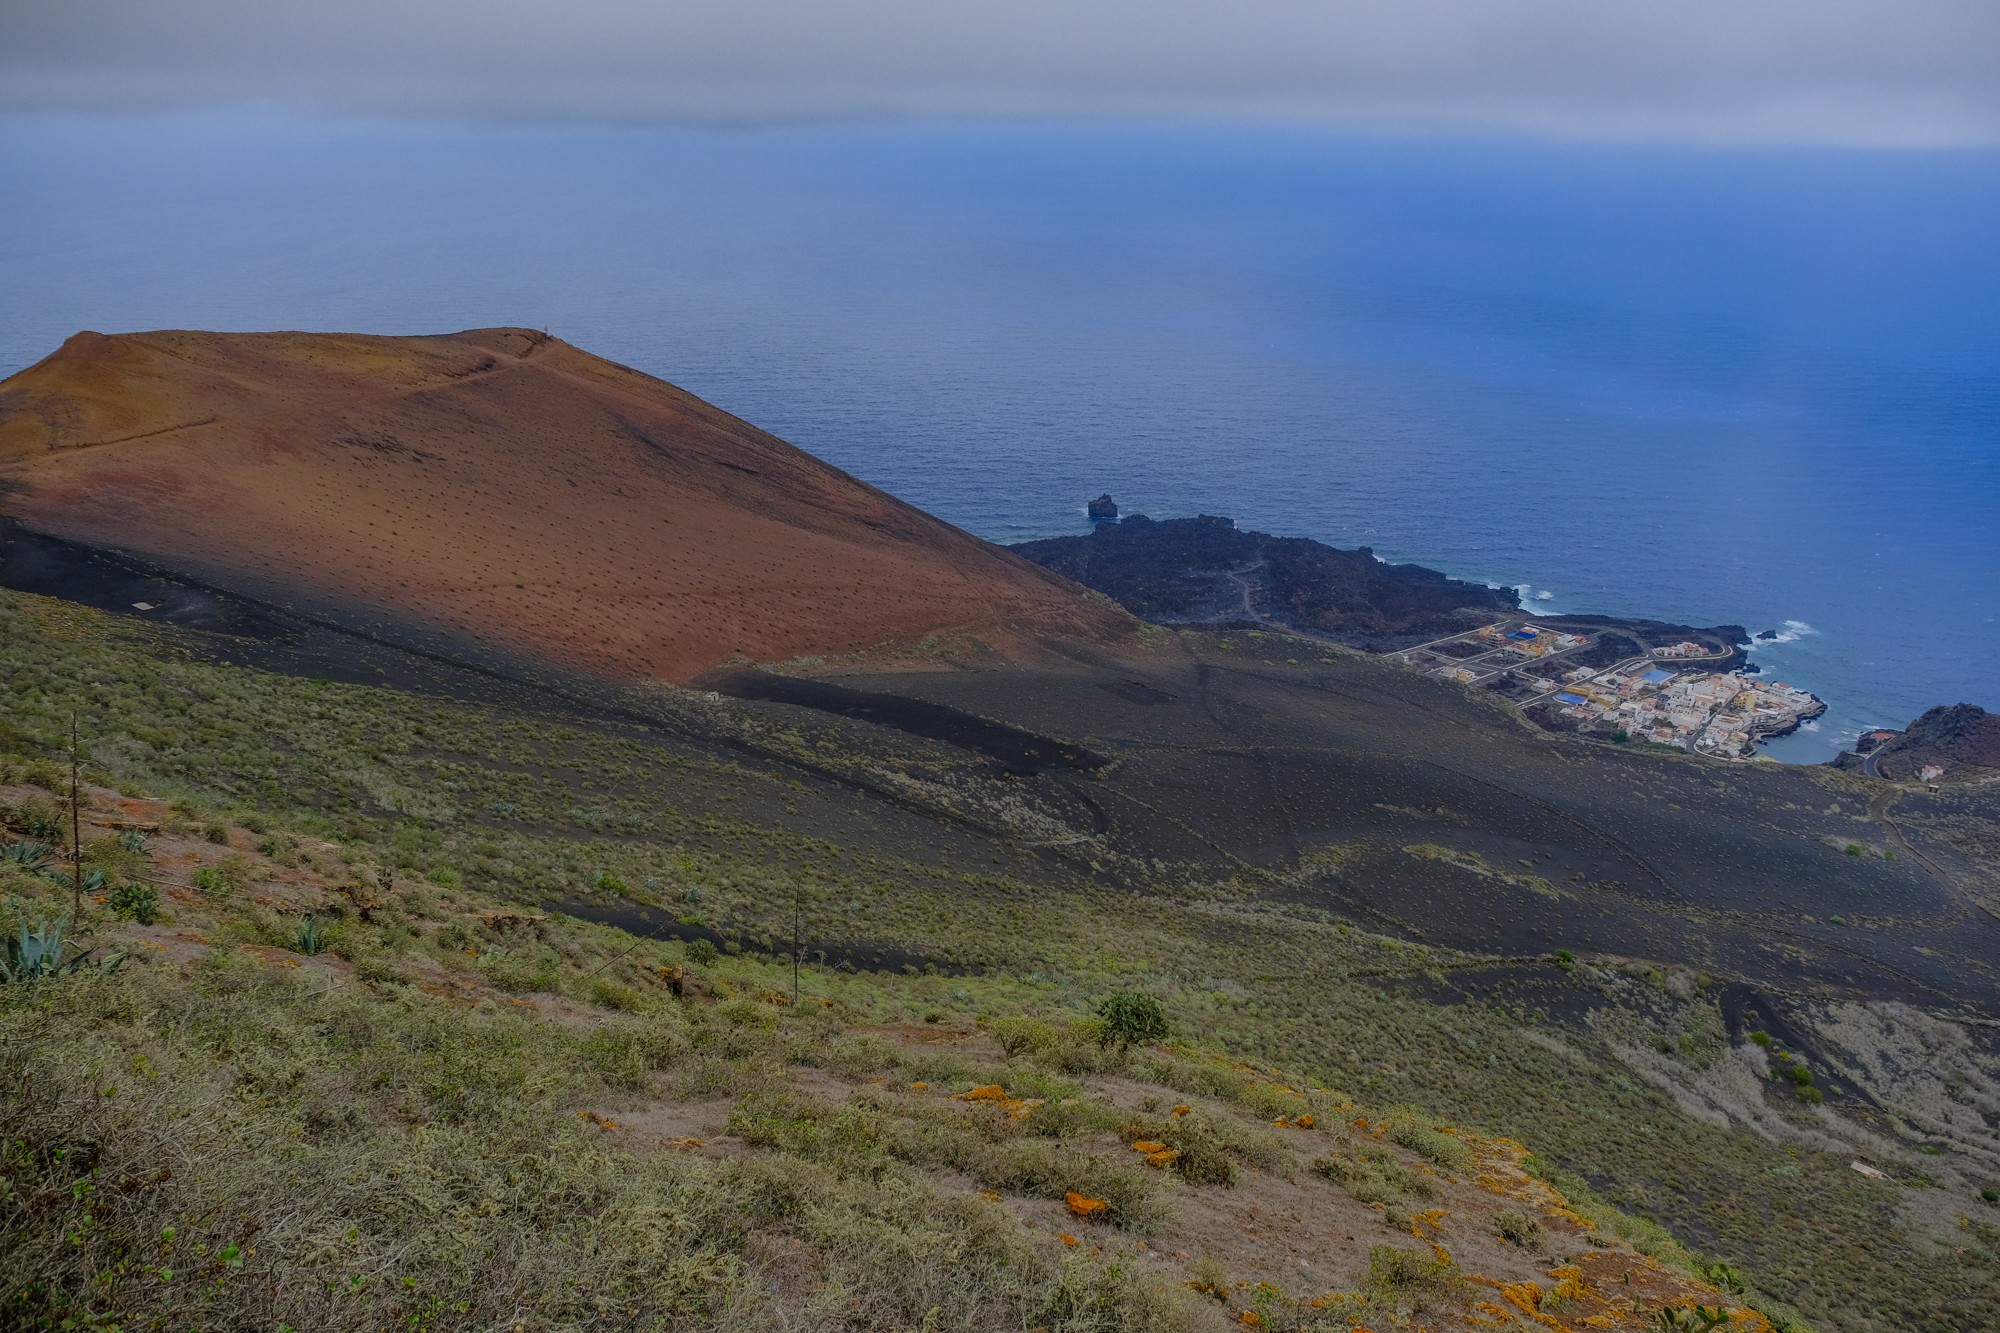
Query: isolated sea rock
x: 1103, y: 507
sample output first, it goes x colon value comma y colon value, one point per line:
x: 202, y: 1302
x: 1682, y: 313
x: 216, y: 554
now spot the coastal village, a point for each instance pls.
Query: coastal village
x: 1670, y: 694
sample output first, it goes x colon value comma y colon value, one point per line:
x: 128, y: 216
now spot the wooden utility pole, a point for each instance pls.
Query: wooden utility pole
x: 75, y: 823
x: 795, y: 946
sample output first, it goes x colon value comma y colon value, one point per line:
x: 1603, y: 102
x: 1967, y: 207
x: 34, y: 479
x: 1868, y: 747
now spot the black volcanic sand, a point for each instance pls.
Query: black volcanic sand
x: 1216, y: 760
x: 1734, y: 869
x: 1014, y: 750
x: 654, y: 923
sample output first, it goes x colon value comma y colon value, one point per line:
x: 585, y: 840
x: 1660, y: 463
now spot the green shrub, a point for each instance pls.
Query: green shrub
x: 1074, y: 1048
x: 626, y: 1054
x: 702, y: 953
x: 372, y: 967
x: 848, y: 1139
x: 1268, y: 1101
x: 135, y: 901
x: 1132, y: 1018
x: 1202, y: 1152
x: 615, y: 994
x: 210, y: 882
x: 217, y: 834
x: 1424, y: 1281
x: 1422, y: 1135
x: 1519, y: 1227
x: 1373, y: 1176
x: 1069, y: 1117
x: 37, y: 817
x: 1051, y: 1170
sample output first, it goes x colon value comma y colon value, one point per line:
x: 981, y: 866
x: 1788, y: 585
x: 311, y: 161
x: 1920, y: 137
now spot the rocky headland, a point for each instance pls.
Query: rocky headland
x: 1956, y: 742
x: 1207, y: 571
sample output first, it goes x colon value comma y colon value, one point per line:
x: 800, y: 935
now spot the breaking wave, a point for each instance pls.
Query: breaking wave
x: 1793, y: 631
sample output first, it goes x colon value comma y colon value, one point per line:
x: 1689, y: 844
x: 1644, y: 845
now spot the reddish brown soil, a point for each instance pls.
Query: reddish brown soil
x: 501, y: 486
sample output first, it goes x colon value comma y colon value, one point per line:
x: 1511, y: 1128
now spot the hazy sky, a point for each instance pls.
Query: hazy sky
x: 1897, y: 72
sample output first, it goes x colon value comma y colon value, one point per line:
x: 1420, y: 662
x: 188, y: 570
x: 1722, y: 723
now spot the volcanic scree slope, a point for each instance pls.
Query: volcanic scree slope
x: 499, y: 488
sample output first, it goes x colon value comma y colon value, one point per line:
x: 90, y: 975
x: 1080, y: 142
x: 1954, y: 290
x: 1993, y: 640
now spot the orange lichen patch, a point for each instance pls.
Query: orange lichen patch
x: 920, y: 1087
x: 686, y: 1144
x: 991, y: 1196
x: 774, y: 997
x: 1428, y: 1223
x: 1305, y: 1122
x: 1252, y: 1318
x: 1164, y: 1158
x: 1085, y: 1206
x: 992, y: 1094
x: 1182, y: 1110
x: 601, y: 1122
x: 1148, y: 1146
x: 1066, y: 1238
x: 1604, y: 1289
x: 1524, y: 1296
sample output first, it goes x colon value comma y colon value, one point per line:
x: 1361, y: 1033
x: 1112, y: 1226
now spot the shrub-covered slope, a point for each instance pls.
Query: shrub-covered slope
x: 458, y: 1079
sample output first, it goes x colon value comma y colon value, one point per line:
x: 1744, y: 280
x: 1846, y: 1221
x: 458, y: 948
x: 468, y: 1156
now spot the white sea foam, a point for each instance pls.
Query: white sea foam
x: 1545, y: 596
x: 1793, y: 631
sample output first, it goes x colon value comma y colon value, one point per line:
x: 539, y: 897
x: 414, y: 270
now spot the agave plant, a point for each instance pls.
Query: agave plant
x: 132, y: 840
x: 31, y: 856
x: 34, y: 955
x: 311, y: 941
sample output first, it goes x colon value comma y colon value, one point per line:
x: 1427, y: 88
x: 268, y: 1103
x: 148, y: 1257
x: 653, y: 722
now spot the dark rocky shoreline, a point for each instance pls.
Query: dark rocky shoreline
x: 1207, y: 571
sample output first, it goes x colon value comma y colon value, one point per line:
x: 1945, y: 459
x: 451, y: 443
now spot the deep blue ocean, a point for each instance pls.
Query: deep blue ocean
x: 1750, y: 386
